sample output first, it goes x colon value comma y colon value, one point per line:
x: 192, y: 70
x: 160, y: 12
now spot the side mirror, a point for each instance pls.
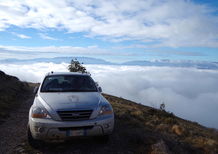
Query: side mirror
x: 35, y: 90
x: 99, y: 89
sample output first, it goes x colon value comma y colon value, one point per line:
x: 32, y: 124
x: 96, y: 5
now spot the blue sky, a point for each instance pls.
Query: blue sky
x: 113, y: 30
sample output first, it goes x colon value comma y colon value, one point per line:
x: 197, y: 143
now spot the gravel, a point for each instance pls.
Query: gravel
x: 13, y: 130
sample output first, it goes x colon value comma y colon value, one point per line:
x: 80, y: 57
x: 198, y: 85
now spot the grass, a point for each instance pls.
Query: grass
x: 164, y: 124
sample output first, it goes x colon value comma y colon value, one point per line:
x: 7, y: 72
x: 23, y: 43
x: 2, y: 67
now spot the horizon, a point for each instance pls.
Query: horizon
x: 100, y: 58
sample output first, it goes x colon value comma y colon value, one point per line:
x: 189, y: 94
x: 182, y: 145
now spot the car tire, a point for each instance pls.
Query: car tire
x: 103, y: 139
x: 32, y: 142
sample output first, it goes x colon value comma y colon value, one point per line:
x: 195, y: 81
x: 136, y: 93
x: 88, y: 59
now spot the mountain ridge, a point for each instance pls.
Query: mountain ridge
x: 90, y: 60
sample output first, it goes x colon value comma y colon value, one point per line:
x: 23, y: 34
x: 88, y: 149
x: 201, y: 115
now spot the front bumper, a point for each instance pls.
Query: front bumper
x: 48, y: 129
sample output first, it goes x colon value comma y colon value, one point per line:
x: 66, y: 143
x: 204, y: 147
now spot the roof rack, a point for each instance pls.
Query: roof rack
x: 54, y: 73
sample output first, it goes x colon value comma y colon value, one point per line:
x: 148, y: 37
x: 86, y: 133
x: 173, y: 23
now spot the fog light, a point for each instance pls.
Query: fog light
x: 41, y: 129
x: 36, y: 128
x: 106, y: 125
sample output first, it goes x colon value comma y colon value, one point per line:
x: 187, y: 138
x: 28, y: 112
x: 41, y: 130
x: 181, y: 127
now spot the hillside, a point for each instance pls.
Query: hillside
x: 154, y: 130
x: 138, y: 128
x: 12, y: 93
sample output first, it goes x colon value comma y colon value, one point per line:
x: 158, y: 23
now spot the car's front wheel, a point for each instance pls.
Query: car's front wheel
x: 32, y: 142
x: 103, y: 139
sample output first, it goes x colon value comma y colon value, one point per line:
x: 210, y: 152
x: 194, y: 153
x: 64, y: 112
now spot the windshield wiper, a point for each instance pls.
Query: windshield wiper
x: 51, y: 91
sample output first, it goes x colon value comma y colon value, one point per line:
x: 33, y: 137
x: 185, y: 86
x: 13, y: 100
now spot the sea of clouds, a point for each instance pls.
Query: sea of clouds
x: 189, y: 93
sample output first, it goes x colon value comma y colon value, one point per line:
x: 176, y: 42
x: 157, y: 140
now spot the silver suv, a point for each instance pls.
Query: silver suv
x: 68, y: 105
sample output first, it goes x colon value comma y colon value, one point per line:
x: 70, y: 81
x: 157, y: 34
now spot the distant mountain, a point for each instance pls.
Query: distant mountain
x: 57, y: 60
x: 89, y: 60
x: 169, y: 63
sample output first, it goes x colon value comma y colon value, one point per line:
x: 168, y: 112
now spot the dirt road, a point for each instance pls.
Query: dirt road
x: 13, y: 130
x: 13, y: 138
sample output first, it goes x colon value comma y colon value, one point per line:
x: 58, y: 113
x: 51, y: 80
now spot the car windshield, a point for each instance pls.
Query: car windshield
x: 68, y: 83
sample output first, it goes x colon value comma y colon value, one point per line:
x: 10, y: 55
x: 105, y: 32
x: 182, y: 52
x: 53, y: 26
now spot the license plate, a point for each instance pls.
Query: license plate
x: 79, y: 132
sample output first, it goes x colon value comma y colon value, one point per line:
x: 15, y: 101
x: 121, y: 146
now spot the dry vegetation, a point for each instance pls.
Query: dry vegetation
x: 151, y: 126
x: 11, y: 93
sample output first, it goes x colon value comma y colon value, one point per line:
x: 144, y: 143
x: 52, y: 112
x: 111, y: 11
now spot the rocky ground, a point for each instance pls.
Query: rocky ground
x: 15, y: 100
x: 13, y: 130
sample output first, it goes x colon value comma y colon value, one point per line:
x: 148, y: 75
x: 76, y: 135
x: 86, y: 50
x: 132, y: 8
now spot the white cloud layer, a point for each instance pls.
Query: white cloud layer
x: 46, y: 37
x: 22, y: 36
x: 187, y: 92
x: 169, y: 22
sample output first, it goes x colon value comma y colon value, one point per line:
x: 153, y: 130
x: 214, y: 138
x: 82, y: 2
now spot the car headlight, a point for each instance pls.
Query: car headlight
x: 105, y: 110
x: 38, y: 112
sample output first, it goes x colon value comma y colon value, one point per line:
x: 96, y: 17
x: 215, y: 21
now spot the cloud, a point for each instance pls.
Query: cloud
x: 160, y: 52
x: 52, y: 51
x: 187, y: 92
x: 46, y: 37
x: 22, y: 36
x: 165, y: 23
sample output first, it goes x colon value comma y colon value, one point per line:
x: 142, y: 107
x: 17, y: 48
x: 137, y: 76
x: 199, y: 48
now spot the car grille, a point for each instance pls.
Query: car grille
x: 75, y: 115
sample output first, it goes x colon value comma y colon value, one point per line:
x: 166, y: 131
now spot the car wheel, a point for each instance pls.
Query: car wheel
x: 32, y: 142
x: 103, y: 139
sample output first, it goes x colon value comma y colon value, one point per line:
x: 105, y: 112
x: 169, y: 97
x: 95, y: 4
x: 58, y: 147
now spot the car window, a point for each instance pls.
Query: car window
x: 68, y: 83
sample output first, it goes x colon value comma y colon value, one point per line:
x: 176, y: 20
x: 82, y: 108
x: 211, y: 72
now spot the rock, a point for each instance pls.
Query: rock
x: 210, y: 142
x: 23, y: 144
x: 19, y: 150
x: 160, y: 148
x: 162, y: 127
x: 177, y: 130
x: 2, y: 73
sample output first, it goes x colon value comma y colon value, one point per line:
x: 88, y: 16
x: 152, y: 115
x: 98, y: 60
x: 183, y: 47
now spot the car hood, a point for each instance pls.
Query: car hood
x: 78, y: 100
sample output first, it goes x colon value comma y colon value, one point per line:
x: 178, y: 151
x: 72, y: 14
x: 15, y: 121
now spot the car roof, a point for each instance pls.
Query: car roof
x: 67, y: 73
